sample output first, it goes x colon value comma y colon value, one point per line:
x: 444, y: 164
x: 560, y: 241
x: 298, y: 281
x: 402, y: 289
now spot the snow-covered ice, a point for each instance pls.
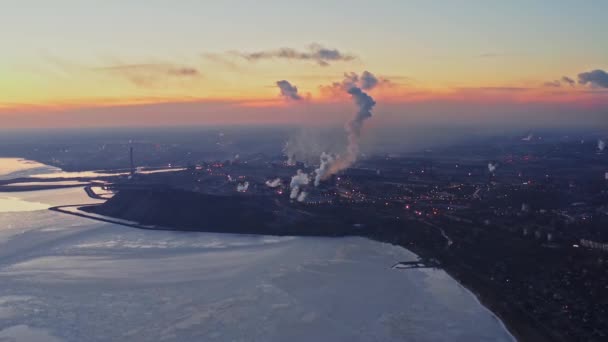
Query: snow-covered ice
x: 66, y: 278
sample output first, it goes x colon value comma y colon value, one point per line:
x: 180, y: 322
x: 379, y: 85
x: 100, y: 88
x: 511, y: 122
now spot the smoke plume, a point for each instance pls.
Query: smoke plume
x: 601, y: 145
x: 275, y: 183
x: 326, y: 161
x: 492, y: 167
x: 302, y: 196
x: 297, y: 182
x: 354, y: 86
x: 242, y: 187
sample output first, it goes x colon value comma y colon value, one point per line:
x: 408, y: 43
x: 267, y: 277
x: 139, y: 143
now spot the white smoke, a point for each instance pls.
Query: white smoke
x: 529, y: 137
x: 326, y: 162
x: 289, y: 153
x: 492, y: 167
x: 302, y: 196
x: 355, y: 86
x: 601, y: 145
x: 275, y: 183
x: 297, y: 182
x: 242, y: 187
x: 306, y: 144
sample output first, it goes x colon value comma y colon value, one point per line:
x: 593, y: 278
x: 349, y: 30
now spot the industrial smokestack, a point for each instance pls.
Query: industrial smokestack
x: 132, y: 164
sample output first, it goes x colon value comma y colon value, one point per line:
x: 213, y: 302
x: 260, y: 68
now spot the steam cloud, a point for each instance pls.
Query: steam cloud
x: 601, y: 145
x: 353, y: 85
x: 297, y: 182
x: 320, y: 173
x: 492, y: 167
x: 288, y: 91
x: 288, y: 150
x: 242, y: 187
x: 302, y: 196
x: 275, y: 183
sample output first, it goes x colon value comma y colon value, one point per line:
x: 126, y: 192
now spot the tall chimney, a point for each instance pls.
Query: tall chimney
x: 131, y: 159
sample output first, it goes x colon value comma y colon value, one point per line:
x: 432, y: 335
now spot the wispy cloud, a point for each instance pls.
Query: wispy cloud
x: 552, y: 84
x: 568, y: 80
x: 315, y: 52
x: 223, y: 60
x: 149, y: 75
x: 558, y: 83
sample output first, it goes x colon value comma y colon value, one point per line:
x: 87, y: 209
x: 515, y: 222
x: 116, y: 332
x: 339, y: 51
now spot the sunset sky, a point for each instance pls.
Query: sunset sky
x: 113, y: 63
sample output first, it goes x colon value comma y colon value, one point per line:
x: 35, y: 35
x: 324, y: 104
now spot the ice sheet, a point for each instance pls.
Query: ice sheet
x: 72, y: 279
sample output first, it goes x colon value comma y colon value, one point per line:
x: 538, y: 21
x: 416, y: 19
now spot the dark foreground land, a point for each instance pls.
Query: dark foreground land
x: 543, y: 293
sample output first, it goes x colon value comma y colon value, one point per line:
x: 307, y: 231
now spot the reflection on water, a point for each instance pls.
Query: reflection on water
x: 59, y: 183
x: 97, y: 174
x: 14, y: 204
x: 10, y: 165
x: 11, y: 168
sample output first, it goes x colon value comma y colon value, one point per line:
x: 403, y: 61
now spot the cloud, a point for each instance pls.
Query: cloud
x: 149, y: 75
x: 288, y: 91
x: 596, y: 78
x: 315, y: 52
x: 552, y: 84
x: 568, y: 80
x: 558, y: 83
x: 221, y: 60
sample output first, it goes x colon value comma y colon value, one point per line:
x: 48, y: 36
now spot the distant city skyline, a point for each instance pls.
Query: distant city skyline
x: 124, y: 63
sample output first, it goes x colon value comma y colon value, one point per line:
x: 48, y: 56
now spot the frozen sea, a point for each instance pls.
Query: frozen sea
x: 67, y: 278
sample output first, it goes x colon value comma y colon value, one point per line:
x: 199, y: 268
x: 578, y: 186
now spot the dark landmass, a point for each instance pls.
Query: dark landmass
x: 520, y: 279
